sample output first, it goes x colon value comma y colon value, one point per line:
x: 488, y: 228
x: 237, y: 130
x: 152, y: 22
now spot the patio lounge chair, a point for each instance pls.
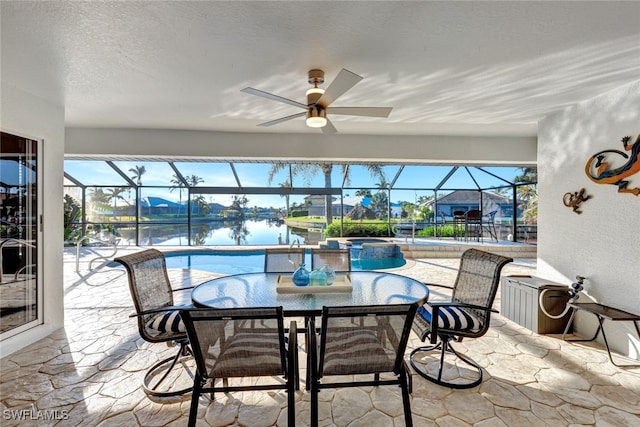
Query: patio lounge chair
x: 359, y: 340
x: 225, y: 346
x: 467, y: 315
x: 158, y: 320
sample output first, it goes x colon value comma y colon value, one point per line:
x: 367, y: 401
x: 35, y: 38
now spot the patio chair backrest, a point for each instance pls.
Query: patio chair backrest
x: 237, y: 342
x: 338, y: 259
x: 149, y: 285
x: 473, y: 215
x: 364, y: 339
x: 282, y: 260
x: 477, y: 280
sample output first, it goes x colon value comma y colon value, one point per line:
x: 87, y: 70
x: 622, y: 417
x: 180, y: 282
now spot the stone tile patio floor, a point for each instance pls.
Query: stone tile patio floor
x: 89, y: 373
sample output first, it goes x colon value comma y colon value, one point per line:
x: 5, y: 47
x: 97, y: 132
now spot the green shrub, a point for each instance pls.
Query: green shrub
x: 446, y: 231
x: 357, y: 229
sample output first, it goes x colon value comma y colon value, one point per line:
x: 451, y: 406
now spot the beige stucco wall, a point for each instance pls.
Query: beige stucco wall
x: 603, y: 242
x: 27, y: 115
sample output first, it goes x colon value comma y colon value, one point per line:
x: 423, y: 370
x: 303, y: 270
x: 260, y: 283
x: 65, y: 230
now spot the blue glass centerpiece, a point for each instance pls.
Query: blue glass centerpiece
x: 330, y: 272
x: 317, y: 278
x: 300, y: 277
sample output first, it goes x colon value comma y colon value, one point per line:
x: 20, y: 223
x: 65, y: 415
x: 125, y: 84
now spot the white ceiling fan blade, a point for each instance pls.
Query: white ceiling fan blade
x: 344, y: 81
x: 273, y: 97
x: 329, y: 128
x: 361, y: 111
x: 282, y: 119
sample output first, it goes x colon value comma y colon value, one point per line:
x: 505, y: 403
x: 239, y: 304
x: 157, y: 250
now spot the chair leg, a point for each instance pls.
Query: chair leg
x: 291, y: 401
x: 314, y: 406
x: 152, y: 390
x: 406, y: 402
x: 445, y: 347
x: 198, y: 384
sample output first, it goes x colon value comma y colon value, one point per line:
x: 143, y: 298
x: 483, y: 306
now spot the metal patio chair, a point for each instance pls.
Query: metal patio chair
x: 283, y: 260
x: 473, y: 225
x: 225, y: 348
x: 490, y: 225
x: 338, y: 259
x: 466, y: 315
x: 359, y: 340
x: 158, y: 321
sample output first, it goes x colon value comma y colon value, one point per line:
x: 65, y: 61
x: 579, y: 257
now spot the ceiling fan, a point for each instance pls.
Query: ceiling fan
x: 318, y: 100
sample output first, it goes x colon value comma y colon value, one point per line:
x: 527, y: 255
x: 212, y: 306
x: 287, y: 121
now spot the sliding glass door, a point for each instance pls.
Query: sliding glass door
x: 20, y: 292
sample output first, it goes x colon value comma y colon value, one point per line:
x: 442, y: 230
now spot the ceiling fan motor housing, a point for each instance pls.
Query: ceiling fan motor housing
x: 316, y: 77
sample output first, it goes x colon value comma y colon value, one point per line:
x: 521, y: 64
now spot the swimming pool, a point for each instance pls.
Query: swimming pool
x: 252, y: 261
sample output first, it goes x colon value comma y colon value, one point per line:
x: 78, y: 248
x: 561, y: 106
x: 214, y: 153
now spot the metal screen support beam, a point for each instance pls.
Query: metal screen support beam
x: 446, y: 178
x: 178, y: 174
x: 120, y: 172
x: 235, y: 174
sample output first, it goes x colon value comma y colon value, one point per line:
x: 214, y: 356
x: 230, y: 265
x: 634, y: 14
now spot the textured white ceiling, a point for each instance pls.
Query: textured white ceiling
x: 465, y: 68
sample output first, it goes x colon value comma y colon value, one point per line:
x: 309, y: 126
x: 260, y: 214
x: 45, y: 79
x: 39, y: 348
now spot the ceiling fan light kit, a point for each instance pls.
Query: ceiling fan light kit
x: 316, y: 117
x: 318, y: 101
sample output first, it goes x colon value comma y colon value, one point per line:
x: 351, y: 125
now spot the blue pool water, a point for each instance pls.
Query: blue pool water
x: 237, y: 262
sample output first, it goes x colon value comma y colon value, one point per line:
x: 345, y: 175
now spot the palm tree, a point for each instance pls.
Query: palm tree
x: 363, y: 193
x: 308, y: 171
x: 383, y: 184
x: 502, y: 191
x: 137, y: 172
x: 239, y: 203
x: 380, y: 204
x: 202, y: 205
x: 115, y: 194
x: 193, y: 180
x: 177, y: 183
x: 529, y: 175
x: 286, y: 184
x: 99, y: 199
x: 528, y: 194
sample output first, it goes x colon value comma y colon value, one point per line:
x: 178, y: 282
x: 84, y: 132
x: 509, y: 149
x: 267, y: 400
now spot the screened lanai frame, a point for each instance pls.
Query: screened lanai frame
x: 233, y: 180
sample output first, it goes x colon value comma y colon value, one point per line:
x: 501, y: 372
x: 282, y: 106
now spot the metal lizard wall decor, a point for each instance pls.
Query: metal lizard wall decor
x: 616, y: 176
x: 573, y: 200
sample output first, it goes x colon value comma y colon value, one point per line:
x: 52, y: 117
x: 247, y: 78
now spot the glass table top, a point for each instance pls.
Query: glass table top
x: 259, y: 290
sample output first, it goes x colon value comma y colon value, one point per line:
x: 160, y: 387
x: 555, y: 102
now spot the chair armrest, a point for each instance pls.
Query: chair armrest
x: 437, y: 285
x: 160, y: 310
x: 182, y: 289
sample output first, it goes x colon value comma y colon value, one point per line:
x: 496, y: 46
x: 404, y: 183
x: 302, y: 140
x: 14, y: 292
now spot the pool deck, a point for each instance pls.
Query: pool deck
x: 90, y: 371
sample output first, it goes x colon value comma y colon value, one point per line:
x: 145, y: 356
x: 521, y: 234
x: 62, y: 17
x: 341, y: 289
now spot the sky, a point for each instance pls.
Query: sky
x: 255, y: 175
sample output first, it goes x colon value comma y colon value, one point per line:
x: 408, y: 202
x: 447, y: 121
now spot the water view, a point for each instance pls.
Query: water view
x: 220, y: 233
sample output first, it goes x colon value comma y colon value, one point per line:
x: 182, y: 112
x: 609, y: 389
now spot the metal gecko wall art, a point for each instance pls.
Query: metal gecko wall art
x: 598, y: 169
x: 573, y: 200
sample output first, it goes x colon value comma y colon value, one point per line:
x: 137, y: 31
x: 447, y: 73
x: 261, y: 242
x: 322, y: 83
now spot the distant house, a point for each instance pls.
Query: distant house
x: 316, y: 205
x: 216, y: 208
x: 465, y: 200
x: 158, y: 205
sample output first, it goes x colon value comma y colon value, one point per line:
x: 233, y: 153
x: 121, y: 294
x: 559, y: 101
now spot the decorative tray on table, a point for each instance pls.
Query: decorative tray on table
x: 342, y: 283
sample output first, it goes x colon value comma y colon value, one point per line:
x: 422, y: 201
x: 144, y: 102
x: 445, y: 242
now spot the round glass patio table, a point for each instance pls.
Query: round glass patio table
x: 259, y: 290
